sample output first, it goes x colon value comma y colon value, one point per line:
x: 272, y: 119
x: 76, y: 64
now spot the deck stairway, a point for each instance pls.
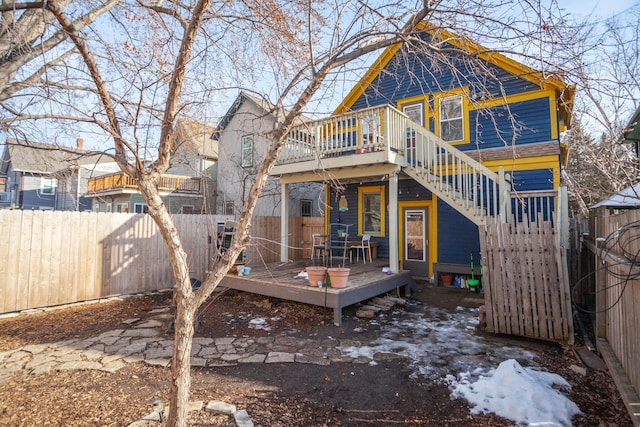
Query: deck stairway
x: 464, y: 183
x: 384, y: 134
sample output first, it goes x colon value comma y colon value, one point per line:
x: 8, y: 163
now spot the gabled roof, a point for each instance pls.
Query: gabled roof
x: 627, y: 198
x: 196, y: 138
x: 631, y: 132
x: 546, y: 81
x: 263, y: 105
x: 36, y: 157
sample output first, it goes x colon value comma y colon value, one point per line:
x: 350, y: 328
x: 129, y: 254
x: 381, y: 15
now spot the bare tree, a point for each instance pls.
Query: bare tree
x: 602, y: 58
x: 153, y: 66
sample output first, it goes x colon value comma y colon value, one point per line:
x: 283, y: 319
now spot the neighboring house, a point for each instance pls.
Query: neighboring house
x: 629, y: 198
x: 47, y: 177
x: 243, y: 136
x: 631, y: 133
x: 188, y: 186
x: 425, y: 157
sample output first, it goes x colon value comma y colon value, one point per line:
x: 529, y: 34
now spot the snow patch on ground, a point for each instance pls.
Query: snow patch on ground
x: 523, y: 395
x: 443, y: 346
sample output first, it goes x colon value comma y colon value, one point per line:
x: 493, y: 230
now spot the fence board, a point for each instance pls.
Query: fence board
x: 6, y: 268
x: 53, y: 258
x: 524, y: 283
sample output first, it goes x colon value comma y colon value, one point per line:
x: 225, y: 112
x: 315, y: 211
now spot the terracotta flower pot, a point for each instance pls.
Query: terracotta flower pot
x: 447, y: 279
x: 315, y: 275
x: 339, y: 277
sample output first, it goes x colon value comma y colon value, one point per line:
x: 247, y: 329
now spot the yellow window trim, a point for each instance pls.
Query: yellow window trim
x: 372, y: 189
x: 463, y: 93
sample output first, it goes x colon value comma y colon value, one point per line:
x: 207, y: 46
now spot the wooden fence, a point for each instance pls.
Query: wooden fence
x: 51, y: 257
x: 526, y: 290
x: 614, y: 244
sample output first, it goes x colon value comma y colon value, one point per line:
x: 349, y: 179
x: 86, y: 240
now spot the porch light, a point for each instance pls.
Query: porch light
x: 342, y: 204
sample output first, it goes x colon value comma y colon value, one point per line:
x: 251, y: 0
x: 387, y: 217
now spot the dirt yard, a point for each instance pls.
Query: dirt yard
x: 286, y: 394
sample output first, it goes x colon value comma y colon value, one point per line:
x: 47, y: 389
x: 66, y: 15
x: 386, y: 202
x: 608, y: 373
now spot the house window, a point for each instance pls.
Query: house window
x: 48, y: 185
x: 371, y: 206
x: 140, y: 208
x: 306, y: 207
x: 451, y: 118
x: 414, y: 112
x: 122, y: 207
x: 247, y: 151
x: 228, y: 208
x: 109, y: 207
x: 187, y: 209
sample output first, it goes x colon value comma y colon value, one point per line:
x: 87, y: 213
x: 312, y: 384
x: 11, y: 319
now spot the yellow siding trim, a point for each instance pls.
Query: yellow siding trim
x: 525, y: 163
x: 528, y: 163
x: 512, y: 99
x: 327, y: 209
x: 546, y: 81
x: 554, y: 118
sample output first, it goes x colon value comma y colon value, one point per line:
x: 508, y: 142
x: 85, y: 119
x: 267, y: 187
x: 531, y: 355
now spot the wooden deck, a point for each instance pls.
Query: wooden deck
x: 277, y: 280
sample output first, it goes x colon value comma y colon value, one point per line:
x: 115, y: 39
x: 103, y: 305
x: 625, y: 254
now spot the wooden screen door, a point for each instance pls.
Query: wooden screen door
x: 415, y: 250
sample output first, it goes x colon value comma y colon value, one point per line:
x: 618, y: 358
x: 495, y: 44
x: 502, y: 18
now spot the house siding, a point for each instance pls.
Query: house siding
x: 530, y: 180
x: 405, y: 76
x: 409, y: 77
x: 533, y: 122
x: 234, y: 180
x: 457, y: 236
x: 30, y: 197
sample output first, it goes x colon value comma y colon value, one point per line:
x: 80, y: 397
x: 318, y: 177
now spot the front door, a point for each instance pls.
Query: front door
x: 415, y: 242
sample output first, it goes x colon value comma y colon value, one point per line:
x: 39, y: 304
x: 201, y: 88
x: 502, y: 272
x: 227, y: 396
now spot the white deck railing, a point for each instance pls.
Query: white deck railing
x: 475, y: 191
x: 356, y: 132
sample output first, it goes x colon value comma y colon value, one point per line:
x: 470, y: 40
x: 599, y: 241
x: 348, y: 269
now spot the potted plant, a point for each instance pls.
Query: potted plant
x: 447, y: 279
x: 315, y: 274
x: 339, y: 277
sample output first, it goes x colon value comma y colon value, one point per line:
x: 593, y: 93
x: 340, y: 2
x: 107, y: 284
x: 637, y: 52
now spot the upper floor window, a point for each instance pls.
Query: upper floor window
x: 306, y: 207
x: 48, y: 185
x: 228, y: 208
x: 451, y: 118
x: 414, y: 112
x: 140, y: 208
x: 187, y: 209
x: 247, y: 151
x: 371, y: 213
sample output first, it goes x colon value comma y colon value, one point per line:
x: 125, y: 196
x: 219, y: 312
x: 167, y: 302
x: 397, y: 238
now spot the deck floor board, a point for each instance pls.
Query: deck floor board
x: 278, y: 280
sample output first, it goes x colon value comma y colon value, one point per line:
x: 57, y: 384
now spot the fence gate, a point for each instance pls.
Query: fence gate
x: 525, y: 285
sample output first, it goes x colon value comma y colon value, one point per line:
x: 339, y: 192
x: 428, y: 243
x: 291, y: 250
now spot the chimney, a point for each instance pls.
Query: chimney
x: 79, y: 143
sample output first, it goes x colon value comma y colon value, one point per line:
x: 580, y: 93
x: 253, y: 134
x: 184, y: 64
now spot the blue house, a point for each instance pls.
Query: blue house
x: 425, y: 148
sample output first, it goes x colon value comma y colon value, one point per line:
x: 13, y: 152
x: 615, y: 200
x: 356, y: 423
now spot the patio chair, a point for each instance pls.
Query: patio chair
x: 319, y: 244
x: 364, y: 246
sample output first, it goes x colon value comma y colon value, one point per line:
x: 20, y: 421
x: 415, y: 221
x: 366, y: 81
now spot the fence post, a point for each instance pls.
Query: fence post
x: 504, y: 187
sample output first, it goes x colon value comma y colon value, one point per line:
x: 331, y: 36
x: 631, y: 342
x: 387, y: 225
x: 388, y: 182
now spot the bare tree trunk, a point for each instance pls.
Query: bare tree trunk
x: 181, y: 365
x: 185, y: 303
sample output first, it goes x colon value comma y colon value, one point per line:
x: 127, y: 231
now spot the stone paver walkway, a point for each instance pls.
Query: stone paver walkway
x: 145, y: 340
